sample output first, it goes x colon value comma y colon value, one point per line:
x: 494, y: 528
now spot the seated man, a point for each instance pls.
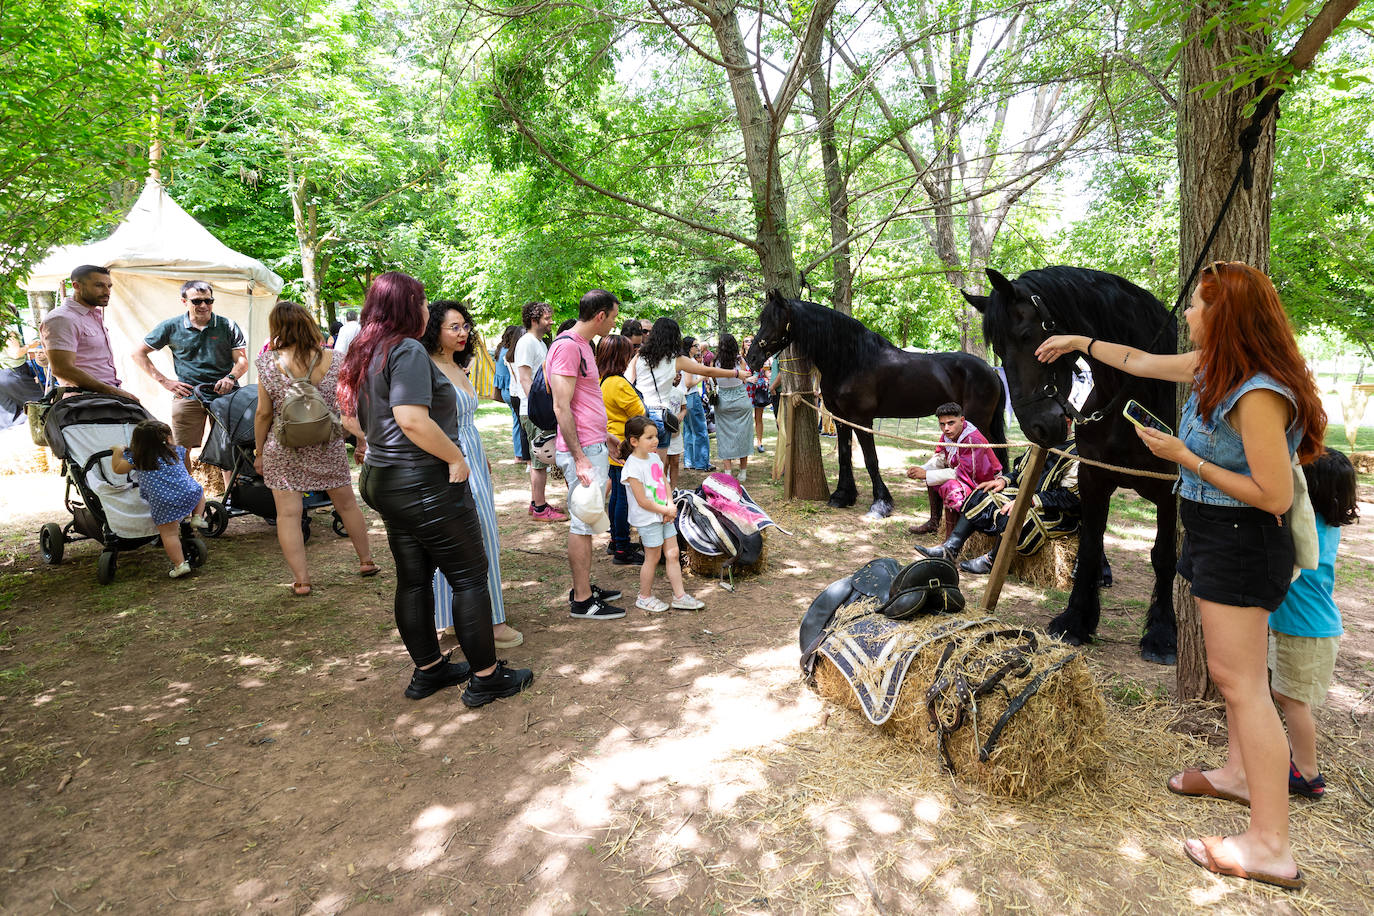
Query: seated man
x: 952, y: 474
x: 1053, y: 513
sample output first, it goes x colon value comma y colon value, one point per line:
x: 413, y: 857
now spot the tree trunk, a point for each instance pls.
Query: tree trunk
x: 757, y: 127
x: 303, y: 215
x: 1208, y: 156
x: 837, y: 195
x: 722, y: 314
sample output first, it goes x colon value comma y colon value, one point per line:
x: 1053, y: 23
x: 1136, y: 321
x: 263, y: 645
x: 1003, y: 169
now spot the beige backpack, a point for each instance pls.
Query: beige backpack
x: 304, y: 419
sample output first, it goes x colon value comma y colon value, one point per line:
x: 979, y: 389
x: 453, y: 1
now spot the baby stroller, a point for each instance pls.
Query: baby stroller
x: 232, y: 446
x: 105, y: 506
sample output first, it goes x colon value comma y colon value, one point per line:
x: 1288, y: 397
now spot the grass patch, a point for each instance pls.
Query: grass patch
x: 1128, y: 692
x: 19, y: 680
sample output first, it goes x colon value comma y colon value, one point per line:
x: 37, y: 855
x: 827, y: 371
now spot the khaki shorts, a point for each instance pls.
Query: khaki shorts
x: 1301, y: 667
x: 533, y: 432
x: 188, y: 422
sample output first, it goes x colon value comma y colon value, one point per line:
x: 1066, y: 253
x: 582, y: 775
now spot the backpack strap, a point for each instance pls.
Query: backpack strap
x: 319, y: 354
x: 581, y: 360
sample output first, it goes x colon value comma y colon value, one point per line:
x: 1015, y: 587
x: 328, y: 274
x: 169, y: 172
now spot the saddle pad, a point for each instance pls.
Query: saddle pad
x: 873, y: 654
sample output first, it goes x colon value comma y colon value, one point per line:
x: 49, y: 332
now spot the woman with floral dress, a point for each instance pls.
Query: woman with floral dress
x: 290, y: 472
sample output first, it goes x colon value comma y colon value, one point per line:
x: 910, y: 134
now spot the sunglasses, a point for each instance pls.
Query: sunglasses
x: 203, y: 301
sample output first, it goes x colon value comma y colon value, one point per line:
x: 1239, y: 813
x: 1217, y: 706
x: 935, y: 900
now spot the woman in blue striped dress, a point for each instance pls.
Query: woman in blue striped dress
x: 448, y: 338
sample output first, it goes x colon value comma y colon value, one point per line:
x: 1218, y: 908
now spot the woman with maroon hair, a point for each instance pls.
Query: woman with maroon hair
x: 1254, y: 406
x: 416, y: 478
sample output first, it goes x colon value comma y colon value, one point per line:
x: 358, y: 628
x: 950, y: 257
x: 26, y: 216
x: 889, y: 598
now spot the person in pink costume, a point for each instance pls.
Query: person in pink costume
x: 954, y: 472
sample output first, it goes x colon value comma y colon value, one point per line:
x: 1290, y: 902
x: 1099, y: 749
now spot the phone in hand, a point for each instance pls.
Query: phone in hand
x: 1137, y: 414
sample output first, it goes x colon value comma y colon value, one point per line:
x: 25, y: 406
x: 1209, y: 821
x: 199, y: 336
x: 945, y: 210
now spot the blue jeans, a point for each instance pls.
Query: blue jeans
x: 619, y: 510
x: 519, y: 444
x: 696, y: 444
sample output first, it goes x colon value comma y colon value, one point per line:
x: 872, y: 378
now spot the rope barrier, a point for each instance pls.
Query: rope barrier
x: 1135, y: 472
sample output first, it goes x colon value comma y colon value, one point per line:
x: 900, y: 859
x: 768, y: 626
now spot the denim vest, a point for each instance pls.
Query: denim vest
x: 1216, y: 441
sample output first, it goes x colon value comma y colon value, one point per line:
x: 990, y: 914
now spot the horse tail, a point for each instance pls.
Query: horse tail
x: 997, y: 429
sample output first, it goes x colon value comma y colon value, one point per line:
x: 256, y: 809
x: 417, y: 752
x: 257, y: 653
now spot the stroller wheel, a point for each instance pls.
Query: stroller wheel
x: 51, y: 541
x: 217, y: 517
x: 338, y: 526
x: 105, y: 567
x: 196, y: 550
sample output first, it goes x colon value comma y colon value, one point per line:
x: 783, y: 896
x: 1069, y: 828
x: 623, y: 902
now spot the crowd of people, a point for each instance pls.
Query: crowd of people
x: 621, y: 400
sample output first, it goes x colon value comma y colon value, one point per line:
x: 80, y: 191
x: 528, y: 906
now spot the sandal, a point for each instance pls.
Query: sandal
x: 368, y: 568
x: 1216, y: 861
x: 300, y: 589
x: 1193, y: 784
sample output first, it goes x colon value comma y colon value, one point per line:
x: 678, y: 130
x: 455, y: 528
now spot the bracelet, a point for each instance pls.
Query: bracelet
x: 1198, y: 472
x: 1090, y: 348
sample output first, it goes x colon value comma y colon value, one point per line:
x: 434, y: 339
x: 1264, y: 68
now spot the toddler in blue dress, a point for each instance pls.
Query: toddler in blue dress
x: 163, y: 473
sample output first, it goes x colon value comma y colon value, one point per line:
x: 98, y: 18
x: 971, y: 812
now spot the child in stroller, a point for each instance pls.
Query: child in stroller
x: 165, y: 483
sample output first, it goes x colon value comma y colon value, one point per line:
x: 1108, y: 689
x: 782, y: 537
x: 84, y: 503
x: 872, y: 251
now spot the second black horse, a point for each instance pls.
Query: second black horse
x: 864, y: 377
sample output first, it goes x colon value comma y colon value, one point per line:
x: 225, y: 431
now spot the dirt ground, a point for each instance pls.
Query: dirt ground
x: 217, y: 745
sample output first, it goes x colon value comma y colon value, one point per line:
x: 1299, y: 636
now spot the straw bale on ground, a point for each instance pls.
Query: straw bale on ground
x: 18, y: 454
x: 712, y: 567
x: 1049, y: 567
x: 1055, y: 738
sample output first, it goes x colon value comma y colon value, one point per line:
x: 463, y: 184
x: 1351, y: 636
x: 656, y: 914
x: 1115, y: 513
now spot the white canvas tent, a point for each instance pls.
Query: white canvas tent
x: 158, y: 247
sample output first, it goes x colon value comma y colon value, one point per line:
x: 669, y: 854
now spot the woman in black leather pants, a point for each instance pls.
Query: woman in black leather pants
x: 415, y: 477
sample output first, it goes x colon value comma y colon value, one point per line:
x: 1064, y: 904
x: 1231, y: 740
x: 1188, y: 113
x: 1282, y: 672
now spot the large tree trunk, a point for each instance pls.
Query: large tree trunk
x: 303, y: 215
x: 776, y: 258
x: 836, y: 192
x: 1208, y: 156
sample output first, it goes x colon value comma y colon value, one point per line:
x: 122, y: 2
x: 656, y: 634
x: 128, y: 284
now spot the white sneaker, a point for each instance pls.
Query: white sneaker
x: 688, y: 603
x: 197, y: 521
x: 651, y: 604
x: 178, y: 571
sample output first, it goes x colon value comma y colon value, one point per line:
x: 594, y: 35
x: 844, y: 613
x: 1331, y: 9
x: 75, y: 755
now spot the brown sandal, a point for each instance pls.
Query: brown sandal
x: 300, y: 589
x: 368, y: 568
x: 1218, y: 863
x: 1194, y: 784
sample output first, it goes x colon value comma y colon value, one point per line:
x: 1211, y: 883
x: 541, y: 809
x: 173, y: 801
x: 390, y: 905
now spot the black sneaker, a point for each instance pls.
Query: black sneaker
x: 629, y: 558
x: 503, y: 682
x: 634, y: 547
x: 432, y: 680
x: 605, y: 594
x: 594, y: 609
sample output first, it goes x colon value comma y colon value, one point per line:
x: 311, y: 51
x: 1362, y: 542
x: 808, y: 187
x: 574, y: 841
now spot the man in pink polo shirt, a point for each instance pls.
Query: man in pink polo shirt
x: 583, y: 440
x: 74, y: 335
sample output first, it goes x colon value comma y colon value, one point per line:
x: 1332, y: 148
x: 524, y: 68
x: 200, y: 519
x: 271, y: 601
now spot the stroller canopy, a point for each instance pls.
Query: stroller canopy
x: 231, y: 427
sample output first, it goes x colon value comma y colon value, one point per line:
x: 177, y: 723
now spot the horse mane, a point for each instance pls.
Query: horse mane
x: 1092, y: 302
x: 832, y: 338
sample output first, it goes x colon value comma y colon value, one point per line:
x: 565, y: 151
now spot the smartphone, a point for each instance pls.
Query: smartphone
x: 1141, y: 417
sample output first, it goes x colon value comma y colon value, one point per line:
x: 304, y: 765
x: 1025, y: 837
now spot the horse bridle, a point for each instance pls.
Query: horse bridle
x: 1050, y: 391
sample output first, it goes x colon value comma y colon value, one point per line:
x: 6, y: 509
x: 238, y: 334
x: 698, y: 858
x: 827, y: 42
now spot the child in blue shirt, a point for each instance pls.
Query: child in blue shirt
x: 163, y: 473
x: 1305, y: 630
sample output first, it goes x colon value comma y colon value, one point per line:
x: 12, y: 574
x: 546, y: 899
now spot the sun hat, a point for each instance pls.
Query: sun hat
x: 588, y: 507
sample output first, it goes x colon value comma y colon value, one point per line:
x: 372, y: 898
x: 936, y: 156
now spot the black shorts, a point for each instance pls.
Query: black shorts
x: 1239, y: 556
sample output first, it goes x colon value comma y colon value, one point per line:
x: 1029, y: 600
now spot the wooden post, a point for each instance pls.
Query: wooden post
x: 1011, y: 534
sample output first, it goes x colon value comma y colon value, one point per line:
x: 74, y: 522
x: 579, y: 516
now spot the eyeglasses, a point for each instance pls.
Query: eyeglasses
x: 210, y: 301
x: 455, y: 328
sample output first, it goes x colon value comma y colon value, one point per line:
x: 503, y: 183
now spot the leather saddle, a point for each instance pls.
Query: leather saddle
x: 927, y: 586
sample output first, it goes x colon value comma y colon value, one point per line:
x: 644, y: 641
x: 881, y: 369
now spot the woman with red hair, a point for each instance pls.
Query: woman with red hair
x: 416, y: 477
x: 1254, y: 406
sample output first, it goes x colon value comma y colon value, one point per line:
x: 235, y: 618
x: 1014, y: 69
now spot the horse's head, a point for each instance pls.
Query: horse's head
x: 1015, y: 322
x: 775, y: 329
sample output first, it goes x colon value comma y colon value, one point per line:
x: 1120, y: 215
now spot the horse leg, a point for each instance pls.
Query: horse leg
x: 882, y: 499
x: 1159, y: 644
x: 846, y: 493
x: 1077, y: 624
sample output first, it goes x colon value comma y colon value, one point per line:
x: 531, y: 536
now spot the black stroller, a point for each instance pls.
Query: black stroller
x: 232, y: 446
x: 105, y: 506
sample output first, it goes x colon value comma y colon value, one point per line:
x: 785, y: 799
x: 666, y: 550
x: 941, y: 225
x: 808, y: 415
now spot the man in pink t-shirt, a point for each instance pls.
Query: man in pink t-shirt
x: 74, y: 335
x: 583, y: 440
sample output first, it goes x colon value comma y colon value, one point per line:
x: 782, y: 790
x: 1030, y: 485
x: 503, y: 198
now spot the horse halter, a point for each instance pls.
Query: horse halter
x: 1050, y: 391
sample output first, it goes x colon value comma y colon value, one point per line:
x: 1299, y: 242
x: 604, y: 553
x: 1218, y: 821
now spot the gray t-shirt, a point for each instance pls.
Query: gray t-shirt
x: 409, y: 377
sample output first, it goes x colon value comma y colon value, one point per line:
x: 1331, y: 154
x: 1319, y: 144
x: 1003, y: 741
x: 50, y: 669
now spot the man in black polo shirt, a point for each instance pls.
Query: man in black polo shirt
x: 207, y: 349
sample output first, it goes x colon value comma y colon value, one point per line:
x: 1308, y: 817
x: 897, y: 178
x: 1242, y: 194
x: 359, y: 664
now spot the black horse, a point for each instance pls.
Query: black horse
x: 1017, y: 316
x: 864, y: 377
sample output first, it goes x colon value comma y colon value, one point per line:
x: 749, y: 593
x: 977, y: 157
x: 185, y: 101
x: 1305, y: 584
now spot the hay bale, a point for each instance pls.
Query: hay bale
x: 18, y: 454
x: 1050, y: 567
x: 1053, y: 739
x: 209, y: 477
x: 1363, y: 462
x: 713, y: 567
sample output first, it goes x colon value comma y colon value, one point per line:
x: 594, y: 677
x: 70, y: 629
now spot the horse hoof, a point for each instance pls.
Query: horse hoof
x: 1159, y: 658
x: 879, y: 510
x: 1059, y: 628
x: 840, y: 501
